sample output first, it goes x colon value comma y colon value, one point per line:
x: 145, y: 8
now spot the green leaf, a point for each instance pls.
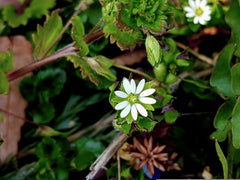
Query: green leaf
x: 4, y: 84
x: 125, y: 39
x: 43, y: 113
x: 171, y: 116
x: 36, y: 9
x: 233, y: 18
x: 90, y: 145
x: 1, y: 117
x: 88, y: 149
x: 47, y: 34
x: 40, y: 8
x: 221, y: 135
x: 83, y: 159
x: 44, y: 85
x: 77, y: 34
x: 48, y: 148
x: 223, y: 115
x: 221, y: 78
x: 126, y: 127
x: 222, y: 159
x: 145, y: 123
x: 154, y: 50
x: 235, y: 79
x: 95, y: 68
x: 6, y: 61
x: 197, y: 83
x: 236, y: 125
x: 48, y: 131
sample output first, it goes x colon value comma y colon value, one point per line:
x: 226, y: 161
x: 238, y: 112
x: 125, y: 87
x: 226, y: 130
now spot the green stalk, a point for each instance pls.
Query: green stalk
x: 134, y: 71
x: 230, y: 157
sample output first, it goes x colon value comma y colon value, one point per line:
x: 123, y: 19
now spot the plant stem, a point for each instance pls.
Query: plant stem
x: 199, y: 56
x: 94, y: 29
x: 133, y: 70
x: 230, y: 157
x: 81, y: 6
x: 66, y: 51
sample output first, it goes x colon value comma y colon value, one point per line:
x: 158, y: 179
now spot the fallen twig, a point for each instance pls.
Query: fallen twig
x: 104, y: 158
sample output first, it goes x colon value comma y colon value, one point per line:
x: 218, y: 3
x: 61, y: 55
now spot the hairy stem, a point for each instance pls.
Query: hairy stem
x: 134, y: 71
x: 68, y: 50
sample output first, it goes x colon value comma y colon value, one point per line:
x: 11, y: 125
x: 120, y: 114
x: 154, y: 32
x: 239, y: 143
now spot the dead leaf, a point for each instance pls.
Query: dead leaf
x: 10, y: 128
x: 206, y: 173
x: 124, y: 153
x: 128, y: 59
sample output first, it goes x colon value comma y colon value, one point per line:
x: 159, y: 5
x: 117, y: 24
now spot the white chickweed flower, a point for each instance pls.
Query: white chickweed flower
x: 199, y: 10
x: 134, y: 98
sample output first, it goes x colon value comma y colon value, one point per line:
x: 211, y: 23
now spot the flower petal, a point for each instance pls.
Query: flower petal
x: 125, y: 111
x: 202, y: 21
x: 195, y: 20
x: 121, y: 105
x: 192, y: 3
x: 147, y: 100
x: 126, y: 85
x: 141, y: 110
x: 121, y: 94
x: 203, y: 3
x: 140, y: 86
x: 134, y: 112
x: 147, y: 92
x: 133, y: 86
x: 188, y: 9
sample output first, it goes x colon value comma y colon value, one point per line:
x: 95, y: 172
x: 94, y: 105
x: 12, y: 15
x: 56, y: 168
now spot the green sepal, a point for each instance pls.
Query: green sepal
x: 160, y: 71
x: 78, y: 32
x: 6, y: 61
x: 171, y: 78
x: 95, y: 68
x: 154, y: 50
x: 4, y: 84
x: 47, y: 34
x: 182, y: 62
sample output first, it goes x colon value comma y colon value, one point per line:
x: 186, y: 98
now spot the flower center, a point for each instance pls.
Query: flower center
x: 132, y: 98
x: 198, y: 11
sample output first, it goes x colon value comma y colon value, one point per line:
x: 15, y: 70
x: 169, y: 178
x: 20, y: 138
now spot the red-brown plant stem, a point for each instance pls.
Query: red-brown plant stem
x: 66, y: 51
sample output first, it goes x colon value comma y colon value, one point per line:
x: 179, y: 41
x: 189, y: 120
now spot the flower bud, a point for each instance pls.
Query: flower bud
x: 171, y: 78
x: 182, y: 62
x: 160, y: 71
x: 154, y: 50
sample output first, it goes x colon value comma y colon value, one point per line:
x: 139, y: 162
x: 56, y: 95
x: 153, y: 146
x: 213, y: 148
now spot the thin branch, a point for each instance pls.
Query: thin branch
x: 81, y: 6
x: 133, y: 70
x: 199, y: 56
x: 119, y: 165
x: 18, y: 117
x: 104, y: 158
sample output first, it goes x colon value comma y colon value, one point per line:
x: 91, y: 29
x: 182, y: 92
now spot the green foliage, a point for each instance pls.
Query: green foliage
x: 88, y: 149
x: 236, y: 125
x: 95, y: 68
x: 171, y: 116
x: 4, y: 84
x: 145, y: 123
x: 77, y: 34
x: 235, y: 79
x: 222, y: 159
x: 221, y: 78
x: 232, y: 19
x: 46, y: 35
x: 1, y: 117
x: 36, y: 9
x: 6, y: 64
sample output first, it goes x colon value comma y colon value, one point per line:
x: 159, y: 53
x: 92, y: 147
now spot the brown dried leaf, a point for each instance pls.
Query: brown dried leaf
x: 10, y: 128
x: 128, y: 59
